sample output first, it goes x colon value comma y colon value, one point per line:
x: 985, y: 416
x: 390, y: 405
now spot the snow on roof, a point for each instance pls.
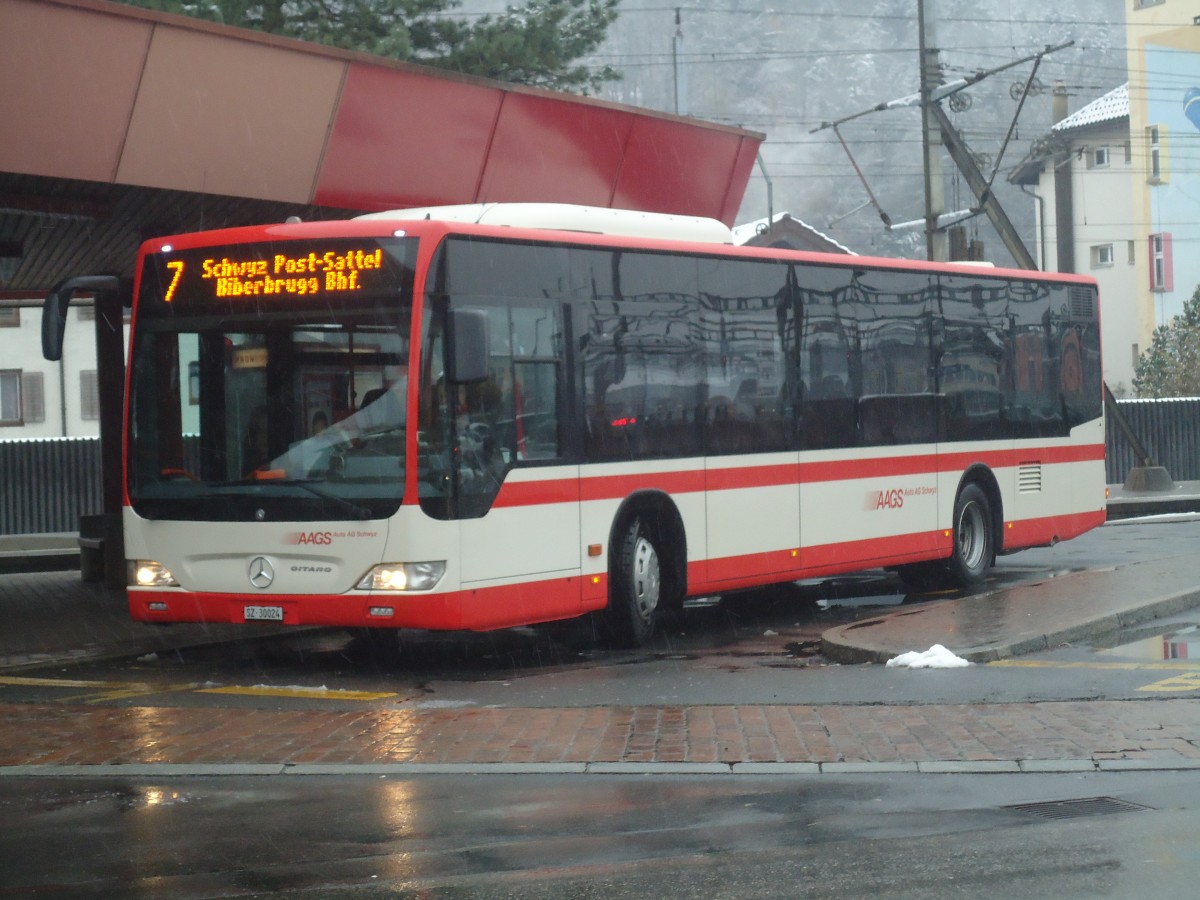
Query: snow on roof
x: 1113, y: 105
x: 747, y: 231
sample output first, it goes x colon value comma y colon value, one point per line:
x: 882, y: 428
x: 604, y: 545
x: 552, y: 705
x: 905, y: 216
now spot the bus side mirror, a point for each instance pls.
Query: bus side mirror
x: 467, y: 346
x: 58, y: 301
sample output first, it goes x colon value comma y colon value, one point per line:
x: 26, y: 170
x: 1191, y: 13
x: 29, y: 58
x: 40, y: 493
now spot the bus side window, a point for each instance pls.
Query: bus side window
x: 513, y: 415
x: 535, y: 422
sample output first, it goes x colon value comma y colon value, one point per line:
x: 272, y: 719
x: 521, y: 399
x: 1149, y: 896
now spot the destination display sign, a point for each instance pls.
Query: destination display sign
x: 292, y: 270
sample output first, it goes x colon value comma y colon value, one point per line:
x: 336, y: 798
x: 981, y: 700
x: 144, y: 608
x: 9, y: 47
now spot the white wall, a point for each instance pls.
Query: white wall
x: 21, y: 348
x: 1103, y: 214
x: 1103, y: 201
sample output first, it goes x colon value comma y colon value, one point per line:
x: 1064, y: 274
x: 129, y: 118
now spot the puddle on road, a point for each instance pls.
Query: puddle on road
x: 1153, y: 643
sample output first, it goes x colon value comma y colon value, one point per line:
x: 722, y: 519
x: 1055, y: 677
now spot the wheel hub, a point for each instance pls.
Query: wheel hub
x: 647, y: 577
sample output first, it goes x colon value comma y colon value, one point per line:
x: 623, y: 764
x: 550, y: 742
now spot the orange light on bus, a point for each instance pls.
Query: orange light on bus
x: 175, y: 265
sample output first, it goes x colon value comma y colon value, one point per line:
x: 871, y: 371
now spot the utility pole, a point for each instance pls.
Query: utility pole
x: 936, y: 243
x: 677, y: 63
x: 938, y: 131
x: 961, y: 154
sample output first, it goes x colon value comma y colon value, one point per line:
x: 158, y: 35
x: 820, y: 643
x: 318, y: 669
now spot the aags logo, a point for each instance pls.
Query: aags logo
x: 893, y: 499
x: 311, y: 537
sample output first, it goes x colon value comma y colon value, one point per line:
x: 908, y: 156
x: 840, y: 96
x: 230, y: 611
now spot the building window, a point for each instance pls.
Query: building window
x: 21, y: 397
x: 1102, y: 255
x: 1132, y: 251
x: 10, y: 317
x: 1142, y: 4
x: 89, y: 396
x: 1098, y: 158
x: 10, y: 397
x: 1156, y: 154
x: 1162, y: 278
x: 33, y: 398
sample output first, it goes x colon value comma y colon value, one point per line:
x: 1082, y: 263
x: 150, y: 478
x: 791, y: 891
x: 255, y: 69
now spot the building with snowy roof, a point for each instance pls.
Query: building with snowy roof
x: 1116, y: 185
x: 783, y: 231
x: 1080, y: 178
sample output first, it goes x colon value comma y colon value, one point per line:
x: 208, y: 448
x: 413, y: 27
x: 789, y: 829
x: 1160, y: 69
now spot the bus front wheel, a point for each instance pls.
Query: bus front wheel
x: 974, y: 538
x: 636, y: 587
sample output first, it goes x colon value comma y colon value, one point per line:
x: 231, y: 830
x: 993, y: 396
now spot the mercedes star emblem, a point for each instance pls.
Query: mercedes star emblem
x: 261, y: 572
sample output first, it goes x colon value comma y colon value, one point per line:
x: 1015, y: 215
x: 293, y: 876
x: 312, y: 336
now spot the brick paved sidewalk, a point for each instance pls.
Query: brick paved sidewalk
x: 1155, y: 731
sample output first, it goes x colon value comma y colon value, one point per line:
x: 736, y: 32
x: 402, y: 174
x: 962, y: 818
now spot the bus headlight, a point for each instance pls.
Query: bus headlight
x: 420, y: 576
x: 148, y: 573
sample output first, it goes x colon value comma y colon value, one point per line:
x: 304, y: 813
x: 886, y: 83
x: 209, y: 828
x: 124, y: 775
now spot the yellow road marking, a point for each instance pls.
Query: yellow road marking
x: 1161, y: 665
x: 1188, y: 681
x: 307, y: 693
x: 1188, y: 678
x: 122, y: 690
x: 110, y: 690
x: 128, y: 691
x: 58, y: 682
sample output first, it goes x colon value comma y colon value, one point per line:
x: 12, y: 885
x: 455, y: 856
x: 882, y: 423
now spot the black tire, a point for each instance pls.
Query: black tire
x: 635, y: 587
x: 974, y: 537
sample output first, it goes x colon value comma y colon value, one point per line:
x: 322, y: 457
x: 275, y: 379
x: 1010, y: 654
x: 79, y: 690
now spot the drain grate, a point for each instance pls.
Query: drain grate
x: 1075, y: 809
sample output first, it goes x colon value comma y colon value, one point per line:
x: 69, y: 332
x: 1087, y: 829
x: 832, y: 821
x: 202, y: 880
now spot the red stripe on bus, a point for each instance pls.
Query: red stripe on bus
x: 1050, y: 529
x: 610, y: 487
x: 470, y: 609
x: 537, y: 493
x: 750, y: 477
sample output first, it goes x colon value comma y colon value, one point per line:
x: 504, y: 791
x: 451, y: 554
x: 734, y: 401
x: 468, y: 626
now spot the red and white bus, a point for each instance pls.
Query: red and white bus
x: 422, y: 420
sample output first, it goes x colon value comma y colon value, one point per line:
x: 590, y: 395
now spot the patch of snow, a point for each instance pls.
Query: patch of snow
x: 936, y: 657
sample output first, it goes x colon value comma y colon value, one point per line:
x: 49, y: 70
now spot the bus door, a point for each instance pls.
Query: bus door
x: 508, y: 485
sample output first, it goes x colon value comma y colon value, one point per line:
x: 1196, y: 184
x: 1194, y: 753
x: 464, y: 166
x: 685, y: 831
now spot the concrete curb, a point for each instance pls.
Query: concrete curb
x: 415, y: 770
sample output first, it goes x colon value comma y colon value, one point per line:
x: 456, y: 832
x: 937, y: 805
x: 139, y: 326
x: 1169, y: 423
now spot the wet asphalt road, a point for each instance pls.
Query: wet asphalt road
x: 1092, y: 834
x: 1099, y: 835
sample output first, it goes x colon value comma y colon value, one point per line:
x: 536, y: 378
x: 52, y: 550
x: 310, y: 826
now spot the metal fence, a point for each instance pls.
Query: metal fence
x: 1170, y: 431
x: 47, y: 484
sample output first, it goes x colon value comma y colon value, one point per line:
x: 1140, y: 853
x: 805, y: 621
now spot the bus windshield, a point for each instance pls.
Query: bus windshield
x: 269, y: 382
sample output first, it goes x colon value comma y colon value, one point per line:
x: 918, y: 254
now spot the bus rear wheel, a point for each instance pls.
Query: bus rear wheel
x: 974, y: 538
x: 636, y: 587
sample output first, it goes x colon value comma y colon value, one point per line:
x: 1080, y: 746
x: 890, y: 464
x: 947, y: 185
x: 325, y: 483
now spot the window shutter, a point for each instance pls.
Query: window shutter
x: 1168, y: 263
x: 89, y: 396
x: 33, y: 397
x: 1152, y: 255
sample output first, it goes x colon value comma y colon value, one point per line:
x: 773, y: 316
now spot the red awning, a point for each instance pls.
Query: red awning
x: 100, y: 92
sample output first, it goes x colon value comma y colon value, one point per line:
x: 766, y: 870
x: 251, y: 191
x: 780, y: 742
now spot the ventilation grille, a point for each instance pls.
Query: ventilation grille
x: 1076, y: 809
x: 1029, y: 478
x: 1082, y: 302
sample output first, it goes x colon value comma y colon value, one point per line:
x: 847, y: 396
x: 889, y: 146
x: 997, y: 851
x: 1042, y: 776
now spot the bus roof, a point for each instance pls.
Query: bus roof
x: 578, y: 225
x: 572, y: 217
